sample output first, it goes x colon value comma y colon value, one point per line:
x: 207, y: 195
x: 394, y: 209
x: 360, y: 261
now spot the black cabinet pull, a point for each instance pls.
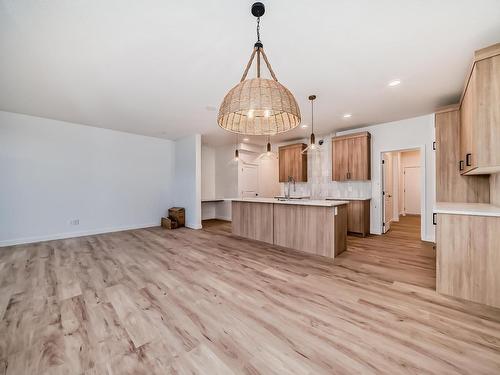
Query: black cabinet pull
x: 461, y: 165
x: 434, y: 218
x: 468, y: 160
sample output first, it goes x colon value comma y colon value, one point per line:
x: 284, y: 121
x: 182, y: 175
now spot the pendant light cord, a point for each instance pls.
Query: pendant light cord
x: 312, y: 116
x: 258, y: 29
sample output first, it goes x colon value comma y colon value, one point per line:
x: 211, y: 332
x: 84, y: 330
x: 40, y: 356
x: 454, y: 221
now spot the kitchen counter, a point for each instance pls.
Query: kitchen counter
x: 316, y: 227
x: 348, y: 199
x: 472, y: 209
x: 299, y: 202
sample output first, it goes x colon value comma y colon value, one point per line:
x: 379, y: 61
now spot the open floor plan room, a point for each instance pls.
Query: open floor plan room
x: 241, y: 187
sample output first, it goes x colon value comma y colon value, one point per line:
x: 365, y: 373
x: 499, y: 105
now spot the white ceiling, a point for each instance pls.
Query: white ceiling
x: 160, y: 68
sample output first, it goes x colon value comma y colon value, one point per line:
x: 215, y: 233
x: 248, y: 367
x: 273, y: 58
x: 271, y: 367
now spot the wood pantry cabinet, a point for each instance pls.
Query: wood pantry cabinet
x: 292, y: 163
x: 351, y: 157
x: 451, y: 186
x: 480, y: 115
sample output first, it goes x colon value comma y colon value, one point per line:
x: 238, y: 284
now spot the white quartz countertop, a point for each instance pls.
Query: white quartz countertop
x: 297, y: 202
x: 475, y: 209
x: 349, y: 199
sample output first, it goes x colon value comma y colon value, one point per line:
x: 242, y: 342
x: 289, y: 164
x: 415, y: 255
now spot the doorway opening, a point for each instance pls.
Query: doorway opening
x: 401, y: 187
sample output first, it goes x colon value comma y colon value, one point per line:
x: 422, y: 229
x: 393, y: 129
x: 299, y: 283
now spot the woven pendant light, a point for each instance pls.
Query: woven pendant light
x: 259, y: 106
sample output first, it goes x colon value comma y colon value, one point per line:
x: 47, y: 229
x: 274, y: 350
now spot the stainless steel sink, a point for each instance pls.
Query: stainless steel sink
x: 281, y: 198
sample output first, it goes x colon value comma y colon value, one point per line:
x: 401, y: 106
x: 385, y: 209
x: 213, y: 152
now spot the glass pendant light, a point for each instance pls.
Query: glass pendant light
x: 268, y: 154
x: 312, y: 148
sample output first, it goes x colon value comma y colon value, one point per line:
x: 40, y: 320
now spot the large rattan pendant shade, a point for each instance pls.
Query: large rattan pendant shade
x: 259, y: 106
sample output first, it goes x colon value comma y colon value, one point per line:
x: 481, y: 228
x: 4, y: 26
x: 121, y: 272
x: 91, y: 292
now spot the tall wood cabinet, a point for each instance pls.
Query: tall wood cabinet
x: 293, y: 163
x: 451, y: 186
x: 351, y: 157
x: 467, y: 212
x: 480, y: 115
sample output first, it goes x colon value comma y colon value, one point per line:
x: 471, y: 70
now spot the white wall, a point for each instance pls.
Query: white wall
x: 417, y: 132
x: 187, y: 186
x: 207, y: 172
x: 52, y: 172
x: 226, y: 180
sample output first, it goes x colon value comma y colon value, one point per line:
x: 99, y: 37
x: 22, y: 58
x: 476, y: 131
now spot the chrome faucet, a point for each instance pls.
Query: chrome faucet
x: 290, y: 179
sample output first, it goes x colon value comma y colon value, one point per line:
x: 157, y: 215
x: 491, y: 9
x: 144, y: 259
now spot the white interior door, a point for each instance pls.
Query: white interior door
x: 249, y: 186
x: 412, y: 190
x: 387, y: 191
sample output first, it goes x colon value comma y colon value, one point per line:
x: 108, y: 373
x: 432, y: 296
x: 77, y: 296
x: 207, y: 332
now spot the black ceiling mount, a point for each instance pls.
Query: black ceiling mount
x: 312, y: 97
x: 258, y: 9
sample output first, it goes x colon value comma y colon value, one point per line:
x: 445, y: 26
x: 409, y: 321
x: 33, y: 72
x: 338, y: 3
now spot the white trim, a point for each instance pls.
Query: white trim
x: 60, y: 236
x: 193, y: 226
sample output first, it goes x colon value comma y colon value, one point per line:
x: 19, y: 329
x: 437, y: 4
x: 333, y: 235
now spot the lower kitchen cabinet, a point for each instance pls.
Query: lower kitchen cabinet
x: 468, y: 257
x: 358, y: 216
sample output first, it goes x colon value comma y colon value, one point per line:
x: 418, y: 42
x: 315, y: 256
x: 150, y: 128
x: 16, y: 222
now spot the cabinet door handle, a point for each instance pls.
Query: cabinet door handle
x: 461, y: 165
x: 468, y: 158
x: 434, y: 218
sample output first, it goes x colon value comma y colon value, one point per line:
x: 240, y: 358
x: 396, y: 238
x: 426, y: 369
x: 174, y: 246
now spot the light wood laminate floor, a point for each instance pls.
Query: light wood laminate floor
x: 154, y: 301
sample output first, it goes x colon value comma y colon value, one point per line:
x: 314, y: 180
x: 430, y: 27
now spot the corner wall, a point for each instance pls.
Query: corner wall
x: 187, y: 177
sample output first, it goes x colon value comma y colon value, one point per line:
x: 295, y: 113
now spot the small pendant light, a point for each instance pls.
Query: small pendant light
x: 313, y: 147
x: 268, y: 154
x: 236, y: 151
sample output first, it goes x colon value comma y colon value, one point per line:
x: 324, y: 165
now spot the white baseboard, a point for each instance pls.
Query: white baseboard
x: 193, y: 226
x: 60, y: 236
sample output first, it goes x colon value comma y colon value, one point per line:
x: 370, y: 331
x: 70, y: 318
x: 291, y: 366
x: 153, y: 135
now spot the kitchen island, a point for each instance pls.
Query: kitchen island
x: 314, y: 226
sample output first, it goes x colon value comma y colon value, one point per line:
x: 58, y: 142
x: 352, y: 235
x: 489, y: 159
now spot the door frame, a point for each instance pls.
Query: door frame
x: 423, y: 190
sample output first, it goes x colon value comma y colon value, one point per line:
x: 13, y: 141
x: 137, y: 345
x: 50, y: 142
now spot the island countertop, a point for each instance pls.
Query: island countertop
x: 298, y: 202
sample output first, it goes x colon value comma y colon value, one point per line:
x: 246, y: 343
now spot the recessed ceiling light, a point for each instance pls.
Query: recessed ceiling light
x: 394, y: 83
x: 303, y: 126
x: 245, y: 139
x: 348, y: 115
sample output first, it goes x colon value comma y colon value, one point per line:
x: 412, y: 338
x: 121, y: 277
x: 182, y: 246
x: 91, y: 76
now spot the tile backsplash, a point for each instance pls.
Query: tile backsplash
x: 319, y: 177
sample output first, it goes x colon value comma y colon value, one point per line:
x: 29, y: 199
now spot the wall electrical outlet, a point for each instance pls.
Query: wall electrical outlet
x: 74, y: 222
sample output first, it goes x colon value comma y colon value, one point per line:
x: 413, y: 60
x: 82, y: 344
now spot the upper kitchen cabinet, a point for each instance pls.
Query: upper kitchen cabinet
x: 292, y: 163
x: 480, y: 115
x: 351, y: 157
x: 451, y: 186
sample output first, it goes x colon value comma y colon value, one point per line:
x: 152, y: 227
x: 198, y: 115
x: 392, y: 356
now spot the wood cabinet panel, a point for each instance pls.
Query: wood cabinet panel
x: 480, y: 115
x: 451, y: 186
x: 340, y: 159
x: 358, y: 217
x: 351, y: 157
x: 468, y: 258
x: 292, y: 163
x: 487, y: 113
x: 359, y: 158
x: 253, y: 220
x: 315, y: 230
